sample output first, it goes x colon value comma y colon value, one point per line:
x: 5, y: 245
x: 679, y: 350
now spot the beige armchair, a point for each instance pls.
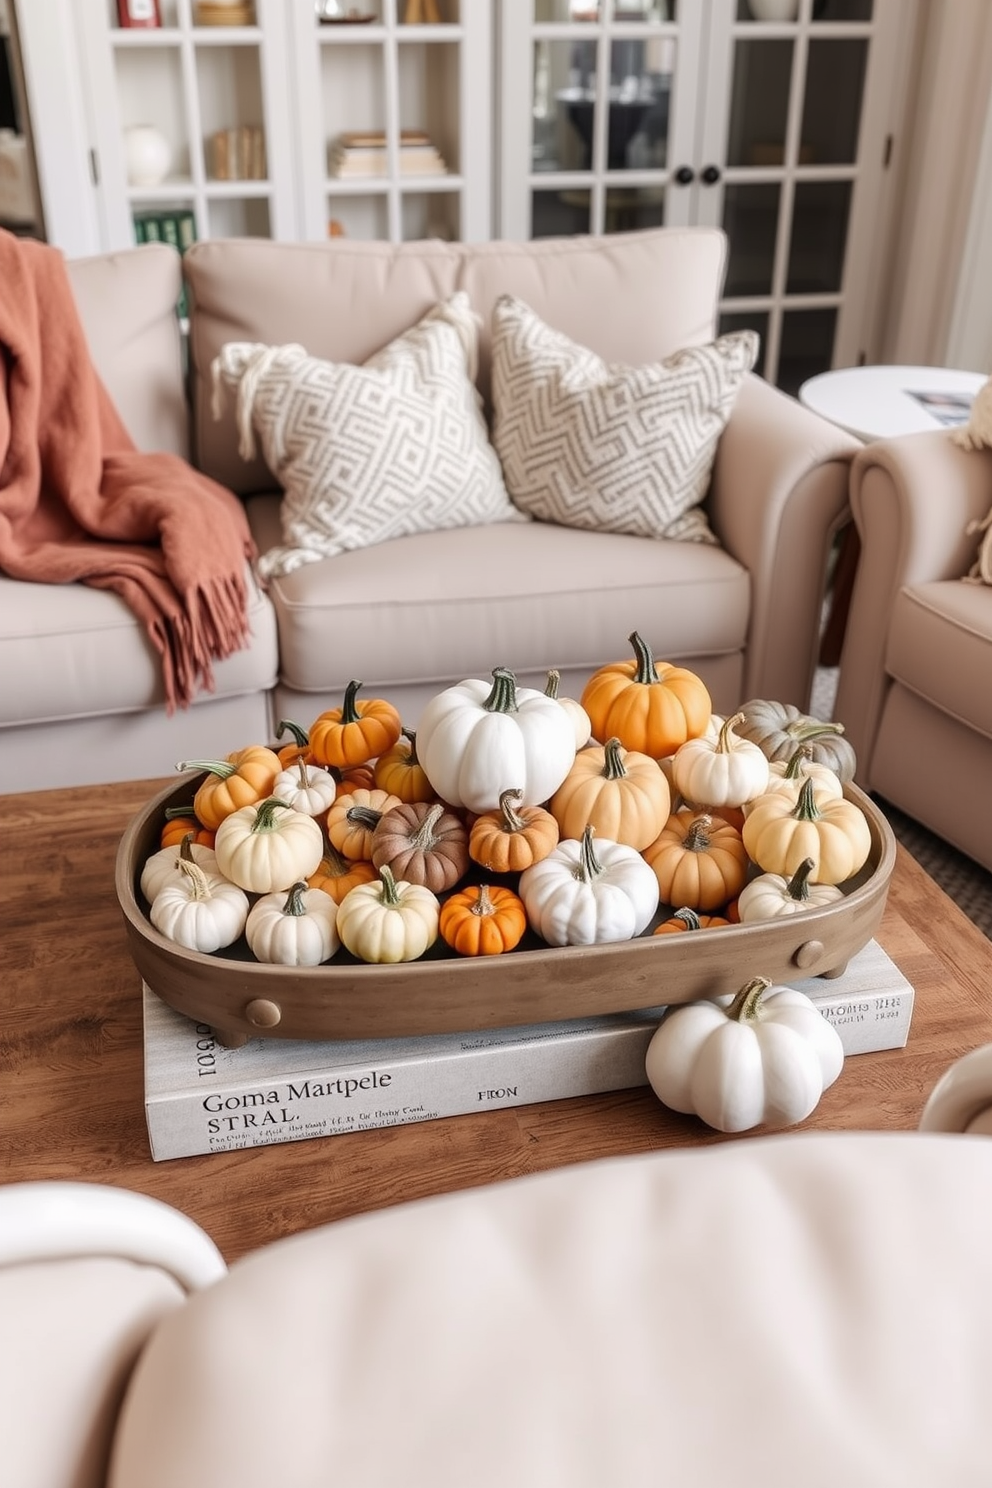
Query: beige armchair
x: 805, y: 1308
x: 915, y: 684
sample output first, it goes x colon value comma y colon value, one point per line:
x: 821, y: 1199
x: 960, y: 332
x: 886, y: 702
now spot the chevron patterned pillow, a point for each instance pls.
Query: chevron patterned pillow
x: 364, y: 454
x: 586, y: 443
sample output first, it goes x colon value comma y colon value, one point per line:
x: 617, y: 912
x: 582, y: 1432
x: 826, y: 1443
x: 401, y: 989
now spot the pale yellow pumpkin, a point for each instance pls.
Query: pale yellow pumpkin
x: 780, y: 832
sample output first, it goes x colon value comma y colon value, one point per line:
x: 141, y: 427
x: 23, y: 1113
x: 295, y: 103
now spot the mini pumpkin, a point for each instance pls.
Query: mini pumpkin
x: 294, y: 927
x: 699, y: 860
x: 586, y: 893
x: 200, y: 911
x: 777, y: 728
x: 653, y: 707
x: 388, y: 921
x: 780, y: 832
x: 720, y: 772
x: 400, y: 772
x: 687, y: 919
x: 422, y: 842
x: 511, y: 838
x: 268, y: 846
x: 161, y: 867
x: 773, y: 894
x: 483, y: 920
x: 353, y: 818
x: 622, y: 794
x: 241, y: 779
x: 306, y: 787
x: 355, y: 732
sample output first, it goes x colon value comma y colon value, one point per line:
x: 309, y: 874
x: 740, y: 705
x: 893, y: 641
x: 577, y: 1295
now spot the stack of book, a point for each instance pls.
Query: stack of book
x: 238, y: 154
x: 366, y: 154
x: 201, y: 1097
x: 173, y: 225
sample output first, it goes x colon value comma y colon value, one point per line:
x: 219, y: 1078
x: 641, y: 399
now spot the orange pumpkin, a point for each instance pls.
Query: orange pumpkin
x: 688, y: 919
x: 619, y: 792
x: 356, y: 777
x: 652, y: 707
x: 336, y: 874
x: 354, y: 817
x: 482, y: 920
x: 180, y: 822
x: 355, y: 732
x: 699, y: 861
x: 241, y: 779
x: 511, y: 838
x: 400, y: 772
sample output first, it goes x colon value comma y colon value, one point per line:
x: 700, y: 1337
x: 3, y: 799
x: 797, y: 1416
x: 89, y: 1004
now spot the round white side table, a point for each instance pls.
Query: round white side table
x: 882, y: 402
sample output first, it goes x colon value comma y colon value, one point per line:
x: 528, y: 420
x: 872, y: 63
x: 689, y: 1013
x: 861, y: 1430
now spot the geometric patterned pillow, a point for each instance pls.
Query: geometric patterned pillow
x: 586, y: 443
x: 364, y: 454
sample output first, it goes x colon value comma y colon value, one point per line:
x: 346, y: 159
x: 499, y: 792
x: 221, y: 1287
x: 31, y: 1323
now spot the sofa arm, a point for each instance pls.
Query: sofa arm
x: 912, y: 499
x: 777, y: 497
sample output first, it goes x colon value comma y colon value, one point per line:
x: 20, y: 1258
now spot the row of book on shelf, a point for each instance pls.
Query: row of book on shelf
x: 175, y: 226
x: 202, y: 1097
x: 360, y: 153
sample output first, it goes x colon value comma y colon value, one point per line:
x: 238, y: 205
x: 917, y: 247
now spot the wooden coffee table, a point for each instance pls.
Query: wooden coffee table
x: 71, y: 1097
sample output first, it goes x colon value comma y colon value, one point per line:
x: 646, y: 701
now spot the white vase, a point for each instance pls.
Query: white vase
x: 147, y: 154
x: 773, y: 10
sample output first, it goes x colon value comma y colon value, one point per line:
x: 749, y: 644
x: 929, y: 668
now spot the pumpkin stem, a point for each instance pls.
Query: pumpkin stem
x: 744, y: 1008
x: 796, y: 768
x: 727, y: 739
x: 176, y: 813
x: 806, y: 808
x: 589, y: 867
x: 646, y: 670
x: 503, y: 697
x: 265, y: 814
x: 186, y: 848
x: 689, y: 918
x: 197, y: 883
x: 365, y: 816
x: 390, y: 895
x: 286, y: 725
x: 798, y: 885
x: 697, y: 839
x: 294, y: 900
x: 349, y: 709
x: 336, y: 864
x: 304, y: 770
x: 424, y: 838
x: 551, y: 688
x: 412, y: 755
x: 221, y: 768
x: 613, y: 767
x: 811, y: 728
x: 483, y: 905
x: 511, y: 821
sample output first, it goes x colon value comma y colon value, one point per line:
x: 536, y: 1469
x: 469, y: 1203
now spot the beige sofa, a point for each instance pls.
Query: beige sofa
x: 804, y: 1308
x: 83, y: 698
x: 915, y: 684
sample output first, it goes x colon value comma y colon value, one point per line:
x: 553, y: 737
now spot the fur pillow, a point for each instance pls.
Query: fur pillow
x: 365, y: 454
x: 977, y: 434
x: 613, y: 448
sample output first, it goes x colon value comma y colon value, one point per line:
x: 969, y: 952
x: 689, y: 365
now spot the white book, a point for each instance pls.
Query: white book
x: 201, y: 1097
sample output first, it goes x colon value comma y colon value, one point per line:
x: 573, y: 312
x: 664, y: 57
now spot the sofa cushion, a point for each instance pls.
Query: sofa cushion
x: 607, y: 446
x: 437, y: 607
x: 940, y: 647
x: 70, y: 651
x: 363, y: 454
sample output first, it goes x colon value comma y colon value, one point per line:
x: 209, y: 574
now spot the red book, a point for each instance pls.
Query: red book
x: 138, y: 13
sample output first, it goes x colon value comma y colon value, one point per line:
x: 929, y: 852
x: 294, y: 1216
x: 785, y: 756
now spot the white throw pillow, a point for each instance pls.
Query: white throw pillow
x: 365, y: 454
x: 586, y: 443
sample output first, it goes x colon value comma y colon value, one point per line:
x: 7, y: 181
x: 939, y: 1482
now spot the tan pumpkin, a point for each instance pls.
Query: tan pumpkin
x: 781, y: 832
x: 400, y: 772
x: 354, y: 817
x: 699, y: 861
x: 621, y: 793
x: 482, y: 920
x: 511, y: 838
x: 422, y: 842
x: 653, y: 707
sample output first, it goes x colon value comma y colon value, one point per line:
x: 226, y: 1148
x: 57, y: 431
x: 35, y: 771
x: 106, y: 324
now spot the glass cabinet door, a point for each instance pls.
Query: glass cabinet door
x: 598, y: 114
x: 789, y: 169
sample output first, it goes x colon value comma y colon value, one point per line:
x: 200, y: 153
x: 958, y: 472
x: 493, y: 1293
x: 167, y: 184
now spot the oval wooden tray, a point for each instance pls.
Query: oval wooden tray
x: 443, y: 993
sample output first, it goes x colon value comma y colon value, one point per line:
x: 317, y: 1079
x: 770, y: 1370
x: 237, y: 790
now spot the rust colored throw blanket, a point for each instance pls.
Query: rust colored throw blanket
x: 78, y: 501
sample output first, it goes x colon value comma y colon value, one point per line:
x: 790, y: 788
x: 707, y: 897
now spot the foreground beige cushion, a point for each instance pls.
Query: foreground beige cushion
x: 796, y: 1311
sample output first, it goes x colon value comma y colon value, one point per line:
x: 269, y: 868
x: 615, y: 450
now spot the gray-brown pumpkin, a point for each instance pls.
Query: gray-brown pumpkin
x: 424, y: 843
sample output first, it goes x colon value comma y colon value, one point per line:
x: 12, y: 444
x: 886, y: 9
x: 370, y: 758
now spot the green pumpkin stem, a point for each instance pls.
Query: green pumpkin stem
x: 286, y: 725
x: 223, y: 769
x: 425, y: 837
x: 728, y: 738
x: 294, y: 899
x: 349, y: 710
x: 503, y: 697
x: 511, y: 821
x: 646, y: 670
x: 802, y: 729
x: 744, y: 1008
x: 795, y: 769
x: 265, y: 814
x: 806, y: 808
x: 364, y: 816
x: 613, y: 766
x: 174, y: 813
x: 551, y: 688
x: 390, y: 897
x: 589, y: 867
x: 798, y: 885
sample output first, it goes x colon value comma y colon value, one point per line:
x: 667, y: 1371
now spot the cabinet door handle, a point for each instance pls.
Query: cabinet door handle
x: 710, y: 174
x: 685, y: 175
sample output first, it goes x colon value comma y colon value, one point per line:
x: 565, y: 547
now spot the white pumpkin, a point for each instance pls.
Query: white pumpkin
x: 772, y: 894
x: 725, y: 771
x: 268, y: 846
x: 388, y: 920
x: 477, y: 738
x: 581, y: 721
x: 789, y: 776
x: 297, y: 928
x: 199, y: 911
x: 160, y: 868
x: 307, y: 788
x: 585, y: 894
x: 764, y: 1060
